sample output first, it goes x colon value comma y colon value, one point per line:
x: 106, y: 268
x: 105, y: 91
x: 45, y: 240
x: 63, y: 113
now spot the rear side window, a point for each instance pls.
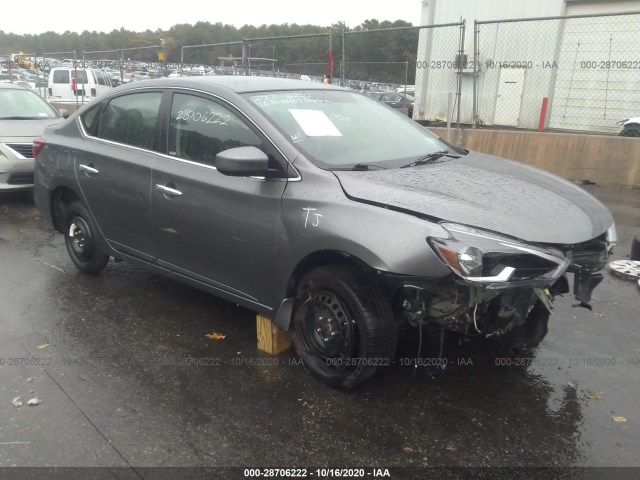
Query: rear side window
x: 91, y: 119
x: 101, y: 80
x: 131, y: 119
x: 61, y: 76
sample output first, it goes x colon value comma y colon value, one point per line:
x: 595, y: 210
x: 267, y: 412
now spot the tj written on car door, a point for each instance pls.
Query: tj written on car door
x: 219, y: 229
x: 114, y: 169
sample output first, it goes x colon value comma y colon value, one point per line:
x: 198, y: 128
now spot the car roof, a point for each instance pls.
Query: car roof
x: 233, y: 83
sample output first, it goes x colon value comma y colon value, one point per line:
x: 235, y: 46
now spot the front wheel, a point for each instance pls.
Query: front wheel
x: 344, y: 328
x: 80, y: 238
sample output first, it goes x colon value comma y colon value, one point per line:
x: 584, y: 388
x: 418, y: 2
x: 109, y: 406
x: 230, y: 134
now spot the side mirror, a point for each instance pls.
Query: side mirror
x: 243, y: 162
x: 64, y: 112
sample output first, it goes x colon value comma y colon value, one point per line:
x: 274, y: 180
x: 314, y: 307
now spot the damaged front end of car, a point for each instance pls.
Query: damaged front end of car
x: 500, y: 288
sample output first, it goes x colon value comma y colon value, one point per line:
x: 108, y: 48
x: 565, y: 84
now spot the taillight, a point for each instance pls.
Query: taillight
x: 38, y: 145
x: 93, y: 92
x: 73, y: 84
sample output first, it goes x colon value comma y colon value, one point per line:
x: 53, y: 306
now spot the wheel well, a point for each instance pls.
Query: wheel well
x: 61, y: 198
x: 321, y: 258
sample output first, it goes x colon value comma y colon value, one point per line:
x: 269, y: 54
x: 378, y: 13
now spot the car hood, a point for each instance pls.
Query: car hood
x: 487, y: 192
x: 24, y: 130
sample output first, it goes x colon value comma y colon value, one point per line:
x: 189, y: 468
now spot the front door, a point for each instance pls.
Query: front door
x: 219, y: 229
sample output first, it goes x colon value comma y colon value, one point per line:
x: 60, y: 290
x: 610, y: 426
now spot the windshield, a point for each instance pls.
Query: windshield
x: 17, y: 103
x: 340, y: 129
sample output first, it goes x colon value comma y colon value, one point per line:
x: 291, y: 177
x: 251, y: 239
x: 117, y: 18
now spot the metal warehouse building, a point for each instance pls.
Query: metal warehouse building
x: 587, y: 64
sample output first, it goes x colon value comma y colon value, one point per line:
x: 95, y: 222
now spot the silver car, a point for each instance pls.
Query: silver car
x: 24, y: 115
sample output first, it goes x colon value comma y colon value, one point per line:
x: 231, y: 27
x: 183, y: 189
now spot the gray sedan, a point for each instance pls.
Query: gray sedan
x: 24, y: 115
x: 335, y: 215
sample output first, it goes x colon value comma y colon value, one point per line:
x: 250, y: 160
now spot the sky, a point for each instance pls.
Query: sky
x: 141, y: 15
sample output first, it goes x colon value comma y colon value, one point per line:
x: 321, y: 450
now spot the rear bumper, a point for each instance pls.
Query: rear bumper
x: 42, y: 199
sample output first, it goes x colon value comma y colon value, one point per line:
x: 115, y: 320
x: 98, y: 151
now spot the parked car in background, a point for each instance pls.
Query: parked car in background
x: 69, y: 84
x: 23, y: 117
x: 395, y: 100
x: 16, y: 77
x: 339, y: 218
x: 630, y: 127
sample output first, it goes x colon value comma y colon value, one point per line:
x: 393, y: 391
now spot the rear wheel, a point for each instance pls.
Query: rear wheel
x: 344, y: 328
x: 80, y: 238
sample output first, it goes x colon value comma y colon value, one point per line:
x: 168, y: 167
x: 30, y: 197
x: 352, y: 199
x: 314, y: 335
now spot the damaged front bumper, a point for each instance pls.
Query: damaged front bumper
x: 489, y: 261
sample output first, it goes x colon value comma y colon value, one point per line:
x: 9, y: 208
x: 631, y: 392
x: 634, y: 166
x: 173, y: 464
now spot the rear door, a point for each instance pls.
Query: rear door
x: 218, y: 229
x: 114, y: 170
x: 61, y: 84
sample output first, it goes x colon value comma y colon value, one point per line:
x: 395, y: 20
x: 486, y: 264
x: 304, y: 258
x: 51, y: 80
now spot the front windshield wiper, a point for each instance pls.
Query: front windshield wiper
x: 429, y: 158
x: 367, y: 166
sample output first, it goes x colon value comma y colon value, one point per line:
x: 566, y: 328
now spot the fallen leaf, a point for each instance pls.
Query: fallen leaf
x: 452, y: 448
x: 408, y: 449
x: 215, y: 336
x: 597, y: 314
x: 31, y: 379
x: 594, y: 394
x: 619, y: 419
x: 44, y: 345
x: 17, y: 402
x: 34, y: 401
x: 572, y: 384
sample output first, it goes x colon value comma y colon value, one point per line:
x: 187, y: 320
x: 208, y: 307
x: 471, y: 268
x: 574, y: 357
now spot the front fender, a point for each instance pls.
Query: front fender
x: 317, y: 216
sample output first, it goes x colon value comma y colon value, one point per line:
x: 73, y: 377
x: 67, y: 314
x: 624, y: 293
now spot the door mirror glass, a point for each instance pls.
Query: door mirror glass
x: 243, y: 162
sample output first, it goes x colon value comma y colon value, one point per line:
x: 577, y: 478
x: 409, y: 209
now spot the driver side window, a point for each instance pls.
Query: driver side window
x: 200, y: 128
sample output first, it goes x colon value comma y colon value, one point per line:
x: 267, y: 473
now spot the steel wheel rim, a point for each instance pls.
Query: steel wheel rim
x: 329, y: 330
x: 80, y: 239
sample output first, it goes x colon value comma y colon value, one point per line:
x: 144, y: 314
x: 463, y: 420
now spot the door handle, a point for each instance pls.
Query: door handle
x: 168, y: 191
x: 87, y: 169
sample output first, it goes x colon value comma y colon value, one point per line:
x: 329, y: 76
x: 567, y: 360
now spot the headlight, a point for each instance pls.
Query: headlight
x: 491, y: 259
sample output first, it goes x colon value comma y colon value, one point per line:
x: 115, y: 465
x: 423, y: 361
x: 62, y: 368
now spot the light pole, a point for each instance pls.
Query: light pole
x: 164, y: 60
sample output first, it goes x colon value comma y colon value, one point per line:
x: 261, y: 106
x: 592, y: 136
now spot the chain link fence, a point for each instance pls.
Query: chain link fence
x: 223, y: 58
x: 423, y: 62
x: 296, y: 56
x: 586, y: 66
x: 577, y: 72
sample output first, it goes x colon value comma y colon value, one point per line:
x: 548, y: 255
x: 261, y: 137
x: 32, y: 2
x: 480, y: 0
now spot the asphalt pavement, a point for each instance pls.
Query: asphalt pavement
x: 127, y: 377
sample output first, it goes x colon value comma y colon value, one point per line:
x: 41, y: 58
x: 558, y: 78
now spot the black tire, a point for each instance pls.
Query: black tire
x: 631, y: 131
x: 80, y: 238
x: 343, y: 326
x: 635, y: 248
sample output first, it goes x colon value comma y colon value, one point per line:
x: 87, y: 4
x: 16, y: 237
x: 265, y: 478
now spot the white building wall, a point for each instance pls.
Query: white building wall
x: 431, y: 99
x: 586, y: 96
x: 537, y: 45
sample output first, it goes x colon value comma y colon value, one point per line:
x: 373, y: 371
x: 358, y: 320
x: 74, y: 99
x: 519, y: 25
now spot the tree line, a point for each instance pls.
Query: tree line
x: 291, y: 54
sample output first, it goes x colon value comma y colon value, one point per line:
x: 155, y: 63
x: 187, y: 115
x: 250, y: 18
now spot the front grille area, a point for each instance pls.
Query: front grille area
x: 20, y: 179
x: 24, y: 149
